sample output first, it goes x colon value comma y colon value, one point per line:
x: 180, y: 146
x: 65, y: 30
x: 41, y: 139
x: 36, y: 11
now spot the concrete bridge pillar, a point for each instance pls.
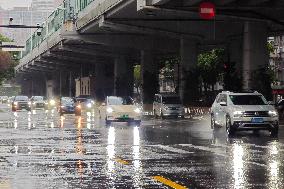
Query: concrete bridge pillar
x: 123, y: 77
x: 255, y: 53
x: 104, y: 80
x: 149, y: 75
x: 188, y: 81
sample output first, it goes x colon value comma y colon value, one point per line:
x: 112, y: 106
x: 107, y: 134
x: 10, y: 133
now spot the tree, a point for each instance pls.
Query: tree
x: 210, y: 67
x: 137, y: 78
x: 7, y: 63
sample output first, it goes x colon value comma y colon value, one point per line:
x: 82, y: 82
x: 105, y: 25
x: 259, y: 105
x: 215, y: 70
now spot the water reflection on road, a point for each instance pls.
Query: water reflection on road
x: 81, y: 152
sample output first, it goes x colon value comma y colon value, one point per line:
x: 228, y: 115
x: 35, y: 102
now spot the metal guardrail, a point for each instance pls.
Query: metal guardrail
x: 69, y: 10
x: 51, y: 25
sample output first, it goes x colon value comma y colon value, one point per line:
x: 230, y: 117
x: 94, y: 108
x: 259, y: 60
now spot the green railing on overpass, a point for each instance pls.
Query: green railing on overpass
x: 82, y: 4
x: 68, y: 10
x: 50, y: 26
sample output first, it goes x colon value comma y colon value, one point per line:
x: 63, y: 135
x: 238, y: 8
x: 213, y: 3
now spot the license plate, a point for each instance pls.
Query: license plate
x: 125, y: 116
x: 257, y: 120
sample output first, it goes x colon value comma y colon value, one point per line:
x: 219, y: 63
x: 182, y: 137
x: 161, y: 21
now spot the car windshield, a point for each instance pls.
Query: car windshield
x: 38, y: 98
x: 247, y: 100
x: 120, y: 101
x: 171, y: 100
x: 67, y: 100
x: 22, y: 98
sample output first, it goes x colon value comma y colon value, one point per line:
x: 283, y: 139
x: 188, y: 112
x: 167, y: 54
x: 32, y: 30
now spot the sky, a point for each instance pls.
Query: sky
x: 7, y: 4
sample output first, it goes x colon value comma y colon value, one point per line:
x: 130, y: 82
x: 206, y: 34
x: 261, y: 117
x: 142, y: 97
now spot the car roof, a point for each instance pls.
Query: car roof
x: 240, y: 93
x: 168, y: 94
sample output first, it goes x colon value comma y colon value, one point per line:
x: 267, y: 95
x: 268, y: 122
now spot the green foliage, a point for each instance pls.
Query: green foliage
x: 210, y: 66
x: 7, y: 62
x: 137, y: 77
x: 262, y: 79
x: 270, y: 47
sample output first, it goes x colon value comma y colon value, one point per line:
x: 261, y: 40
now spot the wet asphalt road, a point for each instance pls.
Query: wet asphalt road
x: 42, y: 150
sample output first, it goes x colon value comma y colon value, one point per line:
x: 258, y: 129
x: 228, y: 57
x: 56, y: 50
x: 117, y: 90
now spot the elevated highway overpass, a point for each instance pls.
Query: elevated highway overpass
x: 97, y: 37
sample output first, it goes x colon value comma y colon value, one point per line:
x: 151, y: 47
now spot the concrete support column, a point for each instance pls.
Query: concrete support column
x: 255, y: 54
x: 188, y: 81
x: 123, y: 77
x: 149, y: 75
x: 236, y: 53
x: 104, y: 80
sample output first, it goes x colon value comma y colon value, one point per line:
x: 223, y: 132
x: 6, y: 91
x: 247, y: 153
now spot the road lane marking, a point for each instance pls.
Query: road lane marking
x: 168, y: 182
x: 122, y: 161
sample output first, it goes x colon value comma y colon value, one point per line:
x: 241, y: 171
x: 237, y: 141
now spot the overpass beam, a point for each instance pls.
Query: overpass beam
x: 255, y: 54
x: 188, y: 81
x: 123, y: 77
x: 149, y: 75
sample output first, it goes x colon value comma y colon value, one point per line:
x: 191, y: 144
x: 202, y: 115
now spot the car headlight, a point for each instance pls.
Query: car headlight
x: 29, y: 103
x: 273, y: 113
x: 34, y: 103
x: 15, y: 103
x: 137, y: 110
x: 93, y: 102
x: 62, y: 106
x: 109, y: 110
x: 89, y: 105
x: 238, y: 113
x: 52, y: 102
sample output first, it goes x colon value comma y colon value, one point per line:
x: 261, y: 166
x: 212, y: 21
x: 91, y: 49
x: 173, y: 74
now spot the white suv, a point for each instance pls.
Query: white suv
x: 243, y: 111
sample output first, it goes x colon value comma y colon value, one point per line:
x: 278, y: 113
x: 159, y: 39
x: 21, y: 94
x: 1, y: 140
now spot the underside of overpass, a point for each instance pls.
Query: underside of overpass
x: 123, y: 33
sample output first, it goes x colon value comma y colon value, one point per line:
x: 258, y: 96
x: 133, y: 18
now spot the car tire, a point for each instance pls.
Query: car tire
x: 108, y: 122
x: 213, y: 125
x: 162, y: 115
x: 229, y: 129
x: 155, y: 114
x: 274, y: 132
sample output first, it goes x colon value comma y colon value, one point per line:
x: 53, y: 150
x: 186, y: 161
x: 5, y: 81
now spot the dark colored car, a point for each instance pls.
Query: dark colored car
x: 66, y: 105
x: 21, y: 103
x: 38, y: 102
x: 84, y: 105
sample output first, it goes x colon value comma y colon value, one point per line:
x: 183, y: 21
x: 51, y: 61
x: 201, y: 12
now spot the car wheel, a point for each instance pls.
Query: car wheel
x: 229, y: 129
x: 162, y: 115
x: 155, y: 114
x: 213, y: 125
x: 274, y: 132
x: 108, y: 122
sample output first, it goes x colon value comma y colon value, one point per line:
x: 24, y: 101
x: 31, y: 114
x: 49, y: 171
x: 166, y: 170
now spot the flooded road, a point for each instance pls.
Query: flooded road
x: 41, y: 150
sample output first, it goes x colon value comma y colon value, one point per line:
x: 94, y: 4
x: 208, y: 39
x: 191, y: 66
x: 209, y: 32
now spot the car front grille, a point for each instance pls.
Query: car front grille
x: 256, y: 114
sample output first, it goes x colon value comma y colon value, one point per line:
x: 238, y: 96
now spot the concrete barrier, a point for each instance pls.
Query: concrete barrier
x: 190, y: 111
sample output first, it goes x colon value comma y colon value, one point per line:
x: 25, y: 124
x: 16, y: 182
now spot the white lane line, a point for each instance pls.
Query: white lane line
x: 219, y: 152
x: 172, y: 149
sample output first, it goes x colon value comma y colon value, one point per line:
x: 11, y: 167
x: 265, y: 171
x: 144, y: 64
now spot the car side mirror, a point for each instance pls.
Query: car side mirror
x: 223, y: 103
x: 103, y: 104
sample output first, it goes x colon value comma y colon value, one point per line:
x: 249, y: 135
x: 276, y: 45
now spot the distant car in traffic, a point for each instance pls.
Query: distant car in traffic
x: 38, y: 102
x: 244, y: 111
x: 66, y: 105
x: 82, y: 104
x: 167, y: 105
x: 120, y: 109
x: 20, y: 103
x: 4, y: 99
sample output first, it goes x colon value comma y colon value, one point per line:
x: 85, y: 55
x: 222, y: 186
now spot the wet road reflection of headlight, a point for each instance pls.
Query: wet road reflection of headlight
x: 274, y: 180
x: 238, y: 165
x: 136, y: 159
x: 111, y: 154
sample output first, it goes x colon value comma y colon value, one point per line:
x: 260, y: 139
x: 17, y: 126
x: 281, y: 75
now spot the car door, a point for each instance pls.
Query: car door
x: 222, y: 109
x: 155, y: 104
